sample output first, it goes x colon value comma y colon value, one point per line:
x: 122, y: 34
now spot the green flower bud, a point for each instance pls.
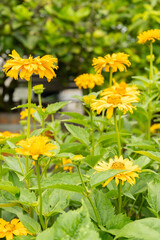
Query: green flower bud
x: 38, y: 89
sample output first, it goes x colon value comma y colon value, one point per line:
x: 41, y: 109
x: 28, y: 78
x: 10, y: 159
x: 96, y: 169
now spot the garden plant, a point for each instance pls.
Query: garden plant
x: 92, y: 176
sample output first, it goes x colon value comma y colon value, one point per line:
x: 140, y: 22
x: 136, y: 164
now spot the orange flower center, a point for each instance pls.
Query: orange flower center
x: 114, y: 99
x: 118, y: 165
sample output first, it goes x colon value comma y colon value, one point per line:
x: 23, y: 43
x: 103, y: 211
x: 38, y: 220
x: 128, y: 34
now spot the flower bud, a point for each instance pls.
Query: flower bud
x: 38, y: 89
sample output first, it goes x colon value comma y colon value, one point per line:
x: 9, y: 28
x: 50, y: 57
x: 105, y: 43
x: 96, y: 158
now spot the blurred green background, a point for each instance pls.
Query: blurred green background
x: 75, y: 31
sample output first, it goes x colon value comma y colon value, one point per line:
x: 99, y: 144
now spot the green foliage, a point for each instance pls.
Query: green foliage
x: 72, y: 225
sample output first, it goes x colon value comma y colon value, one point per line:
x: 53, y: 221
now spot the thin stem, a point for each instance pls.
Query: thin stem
x: 22, y: 171
x: 150, y: 90
x: 117, y: 133
x: 29, y: 106
x: 40, y: 195
x: 119, y: 197
x: 88, y: 196
x: 39, y: 100
x: 92, y: 131
x: 110, y: 78
x: 28, y: 123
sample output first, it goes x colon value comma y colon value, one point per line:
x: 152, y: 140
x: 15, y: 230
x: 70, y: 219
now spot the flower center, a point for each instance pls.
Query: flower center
x: 114, y: 99
x: 118, y: 165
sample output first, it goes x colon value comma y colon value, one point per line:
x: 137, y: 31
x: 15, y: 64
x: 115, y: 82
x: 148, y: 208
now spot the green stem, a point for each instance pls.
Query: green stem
x: 92, y: 132
x: 117, y: 133
x: 110, y: 78
x: 119, y: 197
x: 87, y: 194
x: 40, y: 195
x: 29, y: 106
x: 150, y: 90
x: 39, y: 100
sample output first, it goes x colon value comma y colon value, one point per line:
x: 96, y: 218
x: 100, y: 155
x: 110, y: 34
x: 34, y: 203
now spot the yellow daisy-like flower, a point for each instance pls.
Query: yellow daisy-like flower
x: 114, y: 62
x: 9, y: 229
x: 89, y: 99
x: 36, y: 146
x: 122, y: 164
x: 24, y: 113
x: 44, y: 67
x: 154, y: 127
x: 89, y: 80
x: 114, y: 101
x: 7, y: 135
x: 122, y: 89
x: 150, y: 35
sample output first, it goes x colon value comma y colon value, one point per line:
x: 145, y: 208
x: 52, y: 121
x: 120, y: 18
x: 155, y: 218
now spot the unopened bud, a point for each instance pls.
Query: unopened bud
x: 38, y: 89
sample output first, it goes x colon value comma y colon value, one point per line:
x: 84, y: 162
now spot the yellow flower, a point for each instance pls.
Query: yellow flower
x: 114, y: 101
x: 89, y: 80
x: 89, y: 99
x: 116, y: 61
x: 150, y: 35
x: 67, y: 161
x: 25, y: 113
x: 36, y: 146
x: 5, y: 135
x: 15, y: 227
x: 121, y: 164
x: 122, y: 89
x: 44, y: 67
x: 154, y: 127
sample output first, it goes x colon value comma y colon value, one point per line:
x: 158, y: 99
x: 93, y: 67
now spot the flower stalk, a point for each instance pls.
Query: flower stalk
x: 117, y: 134
x: 87, y: 194
x: 40, y: 195
x: 150, y: 90
x: 110, y: 77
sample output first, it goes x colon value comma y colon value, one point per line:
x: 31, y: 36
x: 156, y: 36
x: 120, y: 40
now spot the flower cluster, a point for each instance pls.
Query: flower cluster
x: 36, y: 146
x: 89, y: 80
x: 120, y: 164
x: 114, y: 62
x: 118, y: 96
x: 44, y: 67
x: 9, y: 229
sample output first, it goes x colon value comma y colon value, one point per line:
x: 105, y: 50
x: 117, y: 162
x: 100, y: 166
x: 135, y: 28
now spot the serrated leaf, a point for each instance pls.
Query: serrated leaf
x: 92, y: 160
x: 8, y: 186
x: 54, y: 201
x: 74, y: 115
x: 54, y: 107
x: 98, y: 178
x: 153, y: 155
x: 31, y: 225
x: 71, y: 225
x: 37, y: 132
x: 153, y: 197
x: 24, y: 106
x: 79, y: 133
x: 145, y: 229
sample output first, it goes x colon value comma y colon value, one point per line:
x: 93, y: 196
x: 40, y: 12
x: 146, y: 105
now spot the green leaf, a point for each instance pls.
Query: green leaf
x: 79, y: 133
x: 54, y: 201
x: 66, y: 181
x: 24, y: 106
x: 53, y: 108
x: 153, y: 197
x: 31, y: 225
x: 103, y: 205
x: 28, y: 237
x: 74, y: 115
x: 98, y: 178
x: 27, y: 197
x: 153, y: 155
x: 37, y: 132
x: 92, y: 160
x: 71, y: 225
x: 8, y: 186
x: 145, y: 229
x: 117, y: 221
